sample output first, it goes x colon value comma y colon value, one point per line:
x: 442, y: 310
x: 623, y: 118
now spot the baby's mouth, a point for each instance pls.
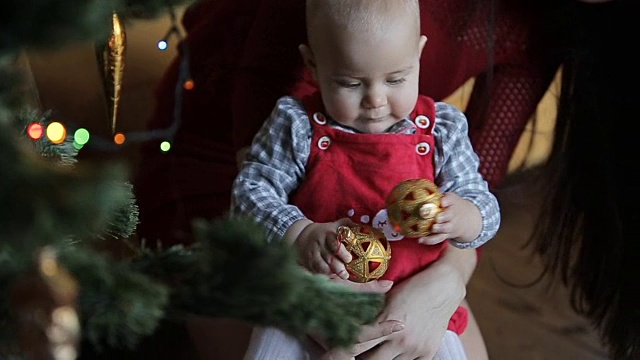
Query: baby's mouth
x: 375, y: 114
x: 375, y: 118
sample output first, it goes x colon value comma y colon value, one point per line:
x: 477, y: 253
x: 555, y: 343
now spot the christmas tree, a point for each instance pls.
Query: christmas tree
x: 61, y: 287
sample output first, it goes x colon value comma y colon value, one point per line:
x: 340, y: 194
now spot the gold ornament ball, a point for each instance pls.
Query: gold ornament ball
x: 413, y: 206
x: 370, y: 250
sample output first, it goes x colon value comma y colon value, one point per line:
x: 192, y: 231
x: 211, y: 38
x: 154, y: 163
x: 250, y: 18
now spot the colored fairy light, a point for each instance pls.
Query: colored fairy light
x: 189, y: 85
x: 56, y: 132
x: 77, y: 146
x: 81, y: 136
x: 162, y: 44
x: 119, y: 138
x: 35, y: 131
x: 165, y: 146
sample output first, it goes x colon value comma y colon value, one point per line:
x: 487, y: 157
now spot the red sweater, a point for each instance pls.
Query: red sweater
x: 244, y: 55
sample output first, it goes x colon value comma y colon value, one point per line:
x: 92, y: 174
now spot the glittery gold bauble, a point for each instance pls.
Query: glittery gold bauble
x: 111, y: 60
x: 413, y: 206
x: 370, y: 250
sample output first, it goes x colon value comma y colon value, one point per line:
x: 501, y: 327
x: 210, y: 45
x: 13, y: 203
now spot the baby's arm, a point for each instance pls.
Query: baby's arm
x: 471, y: 213
x: 460, y: 220
x: 270, y: 172
x: 273, y: 169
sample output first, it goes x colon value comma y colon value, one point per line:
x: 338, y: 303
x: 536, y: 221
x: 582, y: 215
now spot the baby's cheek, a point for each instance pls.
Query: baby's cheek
x: 404, y: 101
x: 344, y: 109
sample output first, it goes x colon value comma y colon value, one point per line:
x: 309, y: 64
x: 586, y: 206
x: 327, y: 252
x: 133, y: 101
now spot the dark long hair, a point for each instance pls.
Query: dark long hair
x: 586, y: 233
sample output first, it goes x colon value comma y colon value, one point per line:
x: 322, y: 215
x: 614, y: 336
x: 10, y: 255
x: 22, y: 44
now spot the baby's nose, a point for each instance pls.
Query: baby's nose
x: 374, y: 98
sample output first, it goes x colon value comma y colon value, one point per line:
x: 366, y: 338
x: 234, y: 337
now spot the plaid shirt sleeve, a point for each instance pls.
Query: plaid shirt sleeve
x: 274, y: 167
x: 457, y: 166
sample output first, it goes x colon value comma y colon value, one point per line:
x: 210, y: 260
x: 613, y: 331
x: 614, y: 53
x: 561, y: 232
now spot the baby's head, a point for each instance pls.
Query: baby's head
x: 365, y: 56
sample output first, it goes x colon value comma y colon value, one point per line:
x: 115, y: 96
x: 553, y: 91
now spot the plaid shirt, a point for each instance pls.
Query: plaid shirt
x: 275, y: 167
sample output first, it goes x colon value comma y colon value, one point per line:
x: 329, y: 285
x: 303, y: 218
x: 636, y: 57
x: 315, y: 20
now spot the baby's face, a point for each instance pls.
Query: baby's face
x: 369, y: 82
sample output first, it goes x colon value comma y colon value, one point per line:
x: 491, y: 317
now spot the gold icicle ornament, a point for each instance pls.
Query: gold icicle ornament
x: 111, y: 61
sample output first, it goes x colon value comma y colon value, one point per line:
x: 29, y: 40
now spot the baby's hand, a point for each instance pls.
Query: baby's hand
x: 320, y: 251
x: 459, y: 220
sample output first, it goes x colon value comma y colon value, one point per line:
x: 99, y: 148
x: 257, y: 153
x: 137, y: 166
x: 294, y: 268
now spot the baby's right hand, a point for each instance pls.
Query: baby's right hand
x: 320, y: 251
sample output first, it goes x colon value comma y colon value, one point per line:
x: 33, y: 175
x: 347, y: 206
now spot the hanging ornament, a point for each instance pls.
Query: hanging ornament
x: 413, y: 206
x: 43, y: 303
x: 111, y: 61
x: 370, y: 250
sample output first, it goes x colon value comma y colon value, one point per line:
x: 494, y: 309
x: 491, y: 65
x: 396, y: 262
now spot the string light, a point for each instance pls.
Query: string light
x: 163, y: 43
x: 189, y: 84
x: 35, y: 131
x: 119, y: 138
x: 165, y: 146
x: 81, y: 136
x: 56, y: 132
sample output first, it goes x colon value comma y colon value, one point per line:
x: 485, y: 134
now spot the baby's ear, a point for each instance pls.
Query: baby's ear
x: 421, y: 43
x: 308, y: 58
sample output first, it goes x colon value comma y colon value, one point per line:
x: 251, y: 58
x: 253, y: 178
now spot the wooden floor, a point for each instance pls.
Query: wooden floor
x: 518, y: 321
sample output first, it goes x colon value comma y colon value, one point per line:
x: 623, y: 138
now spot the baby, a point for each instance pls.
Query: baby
x: 331, y: 158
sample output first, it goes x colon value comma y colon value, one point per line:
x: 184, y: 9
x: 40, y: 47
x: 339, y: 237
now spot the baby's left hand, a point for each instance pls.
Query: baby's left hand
x: 459, y: 220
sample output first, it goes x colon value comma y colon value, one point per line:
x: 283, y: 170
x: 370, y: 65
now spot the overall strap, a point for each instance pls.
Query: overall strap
x: 424, y: 114
x: 312, y: 104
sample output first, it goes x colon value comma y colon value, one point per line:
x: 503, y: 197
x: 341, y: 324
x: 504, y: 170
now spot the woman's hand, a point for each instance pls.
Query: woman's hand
x: 371, y: 335
x: 424, y: 303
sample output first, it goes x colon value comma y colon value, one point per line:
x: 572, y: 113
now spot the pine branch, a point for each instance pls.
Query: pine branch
x: 233, y: 272
x: 117, y: 306
x: 10, y: 97
x: 50, y: 202
x: 60, y: 154
x: 11, y: 266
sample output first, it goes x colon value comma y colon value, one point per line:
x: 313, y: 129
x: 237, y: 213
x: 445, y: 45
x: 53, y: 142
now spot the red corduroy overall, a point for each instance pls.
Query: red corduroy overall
x: 350, y: 175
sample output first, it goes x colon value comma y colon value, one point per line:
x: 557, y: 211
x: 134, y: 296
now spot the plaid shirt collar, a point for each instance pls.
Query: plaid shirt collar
x: 404, y: 126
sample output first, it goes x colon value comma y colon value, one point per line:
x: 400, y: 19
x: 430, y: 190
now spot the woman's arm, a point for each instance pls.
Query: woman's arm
x: 270, y: 65
x: 457, y: 172
x: 424, y: 303
x: 273, y: 169
x: 514, y: 95
x: 472, y: 340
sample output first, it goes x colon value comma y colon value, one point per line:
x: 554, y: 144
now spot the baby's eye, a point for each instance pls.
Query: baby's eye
x: 396, y: 81
x: 348, y: 84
